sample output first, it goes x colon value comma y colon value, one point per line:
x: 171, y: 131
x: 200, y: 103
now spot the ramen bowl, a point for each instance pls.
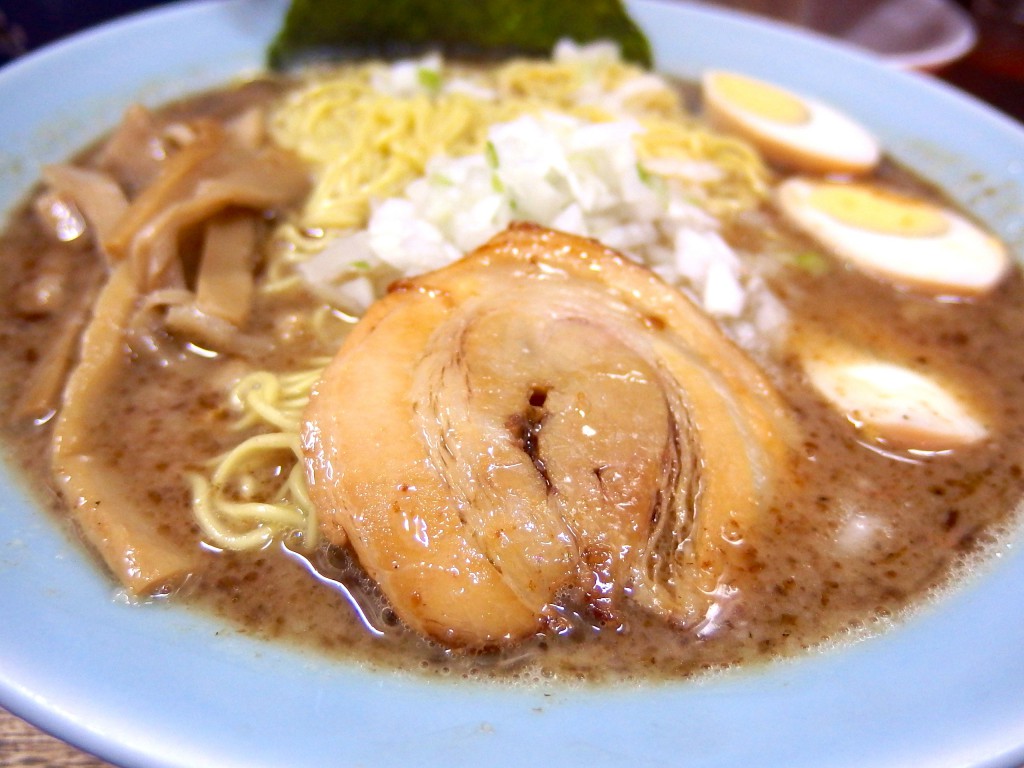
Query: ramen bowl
x: 158, y: 685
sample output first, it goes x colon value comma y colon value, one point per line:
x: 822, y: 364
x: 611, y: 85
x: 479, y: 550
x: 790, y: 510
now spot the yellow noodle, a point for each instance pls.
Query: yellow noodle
x: 212, y: 523
x: 326, y: 320
x: 227, y: 517
x: 743, y: 178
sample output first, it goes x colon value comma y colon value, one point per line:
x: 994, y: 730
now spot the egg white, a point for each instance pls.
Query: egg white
x: 962, y: 260
x: 905, y: 408
x: 826, y: 141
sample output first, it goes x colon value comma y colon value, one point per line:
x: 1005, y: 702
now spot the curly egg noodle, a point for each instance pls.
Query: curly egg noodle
x: 368, y: 131
x: 273, y: 402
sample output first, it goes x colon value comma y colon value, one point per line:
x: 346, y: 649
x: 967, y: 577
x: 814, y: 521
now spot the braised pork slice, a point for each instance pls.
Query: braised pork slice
x: 543, y: 418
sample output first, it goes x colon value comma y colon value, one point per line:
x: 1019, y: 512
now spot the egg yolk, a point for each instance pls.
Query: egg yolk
x: 761, y: 99
x: 878, y: 210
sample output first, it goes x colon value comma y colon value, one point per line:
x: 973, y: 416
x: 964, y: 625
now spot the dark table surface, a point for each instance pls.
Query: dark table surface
x: 993, y: 71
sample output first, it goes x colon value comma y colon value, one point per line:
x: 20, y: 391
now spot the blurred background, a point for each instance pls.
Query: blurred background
x: 977, y: 45
x: 28, y: 24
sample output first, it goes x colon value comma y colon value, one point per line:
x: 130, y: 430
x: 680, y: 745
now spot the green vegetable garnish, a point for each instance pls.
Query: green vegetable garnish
x: 491, y: 153
x: 471, y: 28
x: 654, y: 182
x: 812, y: 262
x: 429, y: 79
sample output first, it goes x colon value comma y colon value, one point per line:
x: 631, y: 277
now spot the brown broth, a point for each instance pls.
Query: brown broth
x: 859, y: 537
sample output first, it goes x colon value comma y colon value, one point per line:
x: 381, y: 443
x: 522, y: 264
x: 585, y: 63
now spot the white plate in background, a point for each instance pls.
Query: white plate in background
x: 910, y: 34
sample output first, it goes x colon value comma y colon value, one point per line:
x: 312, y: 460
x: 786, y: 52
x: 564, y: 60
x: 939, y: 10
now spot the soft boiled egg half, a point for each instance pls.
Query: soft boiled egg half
x: 905, y: 408
x: 906, y: 241
x: 790, y: 130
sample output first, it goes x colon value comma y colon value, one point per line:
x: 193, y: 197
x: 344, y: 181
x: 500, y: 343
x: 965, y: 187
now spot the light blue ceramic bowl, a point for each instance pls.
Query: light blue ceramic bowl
x: 159, y: 686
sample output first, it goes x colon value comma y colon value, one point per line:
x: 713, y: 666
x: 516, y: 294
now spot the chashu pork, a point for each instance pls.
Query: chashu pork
x: 542, y: 417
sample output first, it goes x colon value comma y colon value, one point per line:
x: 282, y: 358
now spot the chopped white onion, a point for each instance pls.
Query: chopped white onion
x: 408, y: 77
x: 559, y: 171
